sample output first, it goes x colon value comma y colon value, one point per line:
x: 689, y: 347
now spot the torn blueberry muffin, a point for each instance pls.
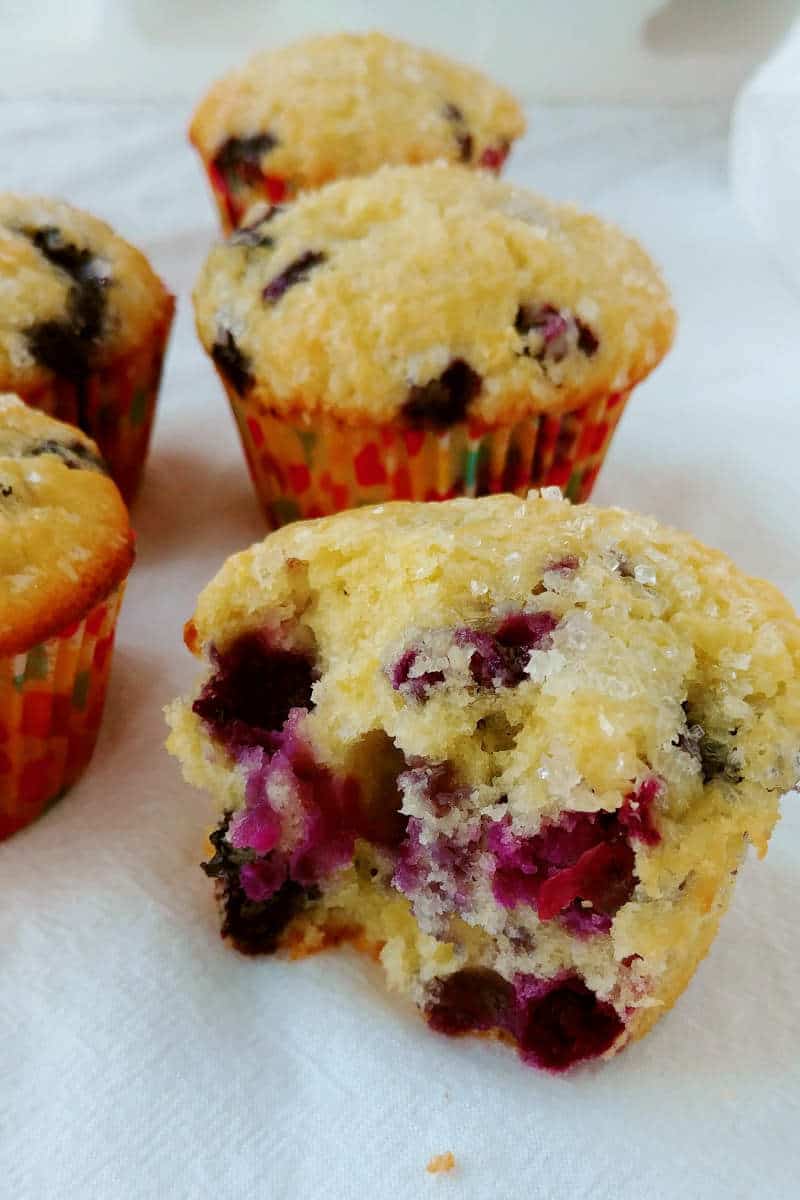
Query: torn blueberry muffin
x: 424, y: 333
x: 65, y: 551
x: 340, y: 105
x: 517, y: 748
x: 83, y: 326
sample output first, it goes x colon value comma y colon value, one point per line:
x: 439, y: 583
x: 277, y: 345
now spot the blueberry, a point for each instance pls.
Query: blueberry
x: 231, y: 362
x: 6, y: 490
x: 242, y: 155
x: 68, y: 257
x: 65, y: 345
x: 252, y: 691
x: 557, y: 329
x: 471, y: 1000
x: 588, y: 340
x: 75, y: 455
x: 555, y: 1022
x: 543, y: 319
x: 87, y: 298
x: 296, y: 272
x: 59, y: 346
x: 254, y: 926
x: 444, y: 401
x: 563, y: 1023
x: 456, y: 117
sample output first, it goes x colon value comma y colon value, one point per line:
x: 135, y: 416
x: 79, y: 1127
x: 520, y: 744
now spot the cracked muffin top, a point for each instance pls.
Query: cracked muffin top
x: 65, y: 540
x: 345, y: 104
x: 430, y: 293
x: 76, y: 296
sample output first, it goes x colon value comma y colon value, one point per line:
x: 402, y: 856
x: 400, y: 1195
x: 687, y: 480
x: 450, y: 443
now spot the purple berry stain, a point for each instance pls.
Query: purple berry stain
x: 555, y: 1023
x: 498, y: 659
x: 254, y: 705
x: 417, y: 686
x: 501, y: 659
x: 580, y: 869
x: 636, y: 814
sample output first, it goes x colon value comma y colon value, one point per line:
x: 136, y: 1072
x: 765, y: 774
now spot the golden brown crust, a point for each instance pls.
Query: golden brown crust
x: 65, y: 537
x: 395, y: 277
x: 36, y: 290
x: 345, y: 104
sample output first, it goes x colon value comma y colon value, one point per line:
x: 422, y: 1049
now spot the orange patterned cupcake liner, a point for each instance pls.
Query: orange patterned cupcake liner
x: 311, y: 469
x: 115, y: 405
x: 51, y: 703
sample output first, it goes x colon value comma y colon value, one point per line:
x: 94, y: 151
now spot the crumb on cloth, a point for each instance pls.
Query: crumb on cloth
x: 441, y: 1163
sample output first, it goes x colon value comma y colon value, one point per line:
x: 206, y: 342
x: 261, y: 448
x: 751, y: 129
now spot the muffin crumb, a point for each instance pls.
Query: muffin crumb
x: 441, y: 1163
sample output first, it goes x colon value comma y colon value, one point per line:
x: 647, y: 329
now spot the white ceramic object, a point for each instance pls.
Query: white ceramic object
x: 653, y: 50
x: 765, y: 154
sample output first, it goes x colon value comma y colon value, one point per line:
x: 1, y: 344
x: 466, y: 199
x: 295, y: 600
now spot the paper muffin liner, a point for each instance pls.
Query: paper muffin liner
x: 51, y: 704
x: 309, y: 468
x: 115, y: 405
x: 234, y: 193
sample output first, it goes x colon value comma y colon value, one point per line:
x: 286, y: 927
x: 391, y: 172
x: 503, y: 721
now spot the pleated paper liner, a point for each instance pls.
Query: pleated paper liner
x: 115, y: 405
x: 51, y: 704
x: 311, y: 469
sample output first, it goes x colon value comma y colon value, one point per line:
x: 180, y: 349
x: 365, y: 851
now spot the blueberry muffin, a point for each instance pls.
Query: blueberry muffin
x: 423, y: 333
x: 341, y: 105
x: 65, y: 551
x: 83, y: 327
x: 518, y: 747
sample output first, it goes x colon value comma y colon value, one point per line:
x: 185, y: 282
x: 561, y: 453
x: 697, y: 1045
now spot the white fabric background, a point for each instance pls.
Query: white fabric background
x: 765, y: 153
x: 141, y: 1058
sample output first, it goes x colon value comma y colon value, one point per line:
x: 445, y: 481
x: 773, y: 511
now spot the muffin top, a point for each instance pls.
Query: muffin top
x: 75, y: 294
x: 564, y: 657
x: 345, y: 104
x: 65, y: 540
x: 431, y: 293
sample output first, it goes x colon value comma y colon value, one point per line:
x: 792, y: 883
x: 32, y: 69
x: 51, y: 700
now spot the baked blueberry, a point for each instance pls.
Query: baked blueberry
x: 445, y: 400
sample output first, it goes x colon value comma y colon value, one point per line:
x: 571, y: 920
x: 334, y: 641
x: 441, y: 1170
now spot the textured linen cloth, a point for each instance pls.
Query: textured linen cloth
x: 139, y: 1057
x: 765, y: 153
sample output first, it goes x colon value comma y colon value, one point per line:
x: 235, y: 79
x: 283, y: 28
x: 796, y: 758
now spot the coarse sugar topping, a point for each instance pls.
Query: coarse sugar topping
x: 434, y: 294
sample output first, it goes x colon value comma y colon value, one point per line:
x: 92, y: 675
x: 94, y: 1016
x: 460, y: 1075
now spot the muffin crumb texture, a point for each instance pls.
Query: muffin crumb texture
x: 516, y: 748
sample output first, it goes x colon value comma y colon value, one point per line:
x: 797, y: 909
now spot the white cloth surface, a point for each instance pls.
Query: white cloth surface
x: 765, y: 153
x: 139, y: 1057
